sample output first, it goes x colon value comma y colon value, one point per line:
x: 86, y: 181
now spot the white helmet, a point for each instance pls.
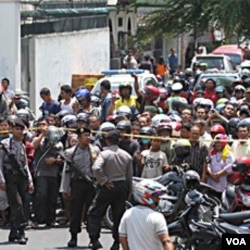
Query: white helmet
x: 145, y: 189
x: 157, y: 119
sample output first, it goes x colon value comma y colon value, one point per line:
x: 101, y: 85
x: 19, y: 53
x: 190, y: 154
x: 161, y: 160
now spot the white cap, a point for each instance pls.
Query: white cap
x: 177, y: 86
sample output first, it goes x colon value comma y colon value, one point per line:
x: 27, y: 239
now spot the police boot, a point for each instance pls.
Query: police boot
x: 22, y: 239
x: 13, y: 236
x: 73, y: 241
x: 95, y: 244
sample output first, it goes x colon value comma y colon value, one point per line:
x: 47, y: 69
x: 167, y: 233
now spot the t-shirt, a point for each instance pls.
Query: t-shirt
x: 50, y: 108
x: 153, y: 163
x: 142, y: 226
x: 130, y: 102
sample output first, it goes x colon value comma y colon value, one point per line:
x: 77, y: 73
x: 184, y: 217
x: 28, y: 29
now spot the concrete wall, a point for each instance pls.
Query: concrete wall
x: 10, y: 41
x: 54, y: 58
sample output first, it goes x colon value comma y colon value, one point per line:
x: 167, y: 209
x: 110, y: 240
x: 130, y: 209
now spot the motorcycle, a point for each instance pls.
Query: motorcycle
x: 187, y: 234
x: 236, y: 196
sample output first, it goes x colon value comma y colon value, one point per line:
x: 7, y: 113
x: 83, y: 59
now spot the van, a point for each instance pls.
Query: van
x: 233, y: 51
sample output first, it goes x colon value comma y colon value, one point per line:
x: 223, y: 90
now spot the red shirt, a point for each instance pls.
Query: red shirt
x: 211, y: 95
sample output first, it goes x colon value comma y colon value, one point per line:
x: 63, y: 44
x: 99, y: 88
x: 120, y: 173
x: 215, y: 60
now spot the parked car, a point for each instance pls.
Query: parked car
x: 116, y: 77
x: 233, y: 51
x: 221, y: 79
x: 220, y: 62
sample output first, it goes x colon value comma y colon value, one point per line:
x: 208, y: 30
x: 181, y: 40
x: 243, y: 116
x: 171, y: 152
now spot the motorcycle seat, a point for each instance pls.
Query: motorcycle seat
x: 202, y: 224
x: 231, y: 229
x: 237, y: 218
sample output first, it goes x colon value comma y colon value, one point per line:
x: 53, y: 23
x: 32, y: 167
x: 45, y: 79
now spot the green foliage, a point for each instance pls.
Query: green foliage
x: 180, y: 16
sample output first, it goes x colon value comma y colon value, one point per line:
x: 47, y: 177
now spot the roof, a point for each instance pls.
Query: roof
x: 230, y: 49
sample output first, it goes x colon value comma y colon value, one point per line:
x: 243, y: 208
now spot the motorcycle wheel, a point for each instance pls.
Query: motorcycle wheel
x: 108, y: 218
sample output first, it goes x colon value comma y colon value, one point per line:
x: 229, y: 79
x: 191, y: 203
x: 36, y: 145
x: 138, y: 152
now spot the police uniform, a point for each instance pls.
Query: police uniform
x: 73, y: 180
x: 17, y: 180
x: 113, y: 165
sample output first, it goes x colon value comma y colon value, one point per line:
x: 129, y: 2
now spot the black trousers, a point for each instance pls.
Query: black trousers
x: 115, y: 197
x: 16, y: 189
x: 46, y: 189
x: 82, y: 194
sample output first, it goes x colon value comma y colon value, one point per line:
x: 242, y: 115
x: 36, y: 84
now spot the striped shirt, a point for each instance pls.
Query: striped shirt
x: 198, y: 155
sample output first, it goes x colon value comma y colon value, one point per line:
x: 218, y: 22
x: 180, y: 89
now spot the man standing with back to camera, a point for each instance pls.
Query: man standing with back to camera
x: 113, y: 171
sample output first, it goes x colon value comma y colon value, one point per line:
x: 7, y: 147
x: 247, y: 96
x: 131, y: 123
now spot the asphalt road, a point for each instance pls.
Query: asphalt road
x: 52, y: 238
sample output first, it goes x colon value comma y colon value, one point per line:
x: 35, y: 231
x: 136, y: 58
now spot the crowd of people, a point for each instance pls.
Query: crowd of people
x: 85, y: 149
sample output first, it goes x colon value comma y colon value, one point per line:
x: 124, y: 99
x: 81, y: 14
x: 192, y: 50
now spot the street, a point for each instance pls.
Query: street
x: 53, y: 238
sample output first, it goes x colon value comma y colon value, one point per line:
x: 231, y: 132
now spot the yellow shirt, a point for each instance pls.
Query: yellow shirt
x: 131, y: 102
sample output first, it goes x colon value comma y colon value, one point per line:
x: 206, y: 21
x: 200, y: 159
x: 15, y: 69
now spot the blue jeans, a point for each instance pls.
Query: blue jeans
x: 46, y: 189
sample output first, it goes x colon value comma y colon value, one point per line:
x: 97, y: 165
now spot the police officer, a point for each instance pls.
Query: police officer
x: 77, y: 180
x: 16, y: 179
x: 113, y: 170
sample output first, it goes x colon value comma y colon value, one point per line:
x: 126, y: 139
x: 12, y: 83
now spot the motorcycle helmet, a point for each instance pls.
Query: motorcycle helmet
x: 221, y: 101
x: 164, y: 126
x: 157, y: 119
x: 193, y: 197
x: 179, y: 104
x: 217, y: 129
x: 21, y: 103
x: 23, y: 114
x: 203, y: 103
x: 222, y: 138
x: 68, y: 119
x: 188, y: 72
x: 54, y: 134
x: 95, y: 101
x: 163, y: 94
x: 244, y: 123
x: 83, y: 94
x: 146, y: 131
x: 235, y: 177
x: 152, y: 92
x: 176, y: 127
x: 124, y: 111
x: 245, y: 73
x: 182, y: 148
x: 124, y: 124
x: 232, y: 125
x: 125, y: 85
x: 82, y: 117
x: 191, y: 179
x: 240, y: 88
x: 242, y: 165
x: 107, y: 126
x: 145, y: 191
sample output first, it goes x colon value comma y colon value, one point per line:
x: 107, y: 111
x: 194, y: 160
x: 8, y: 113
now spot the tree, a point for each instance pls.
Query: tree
x: 178, y: 16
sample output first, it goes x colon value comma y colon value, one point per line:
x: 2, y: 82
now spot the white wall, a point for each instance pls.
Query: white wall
x: 10, y: 41
x: 54, y: 58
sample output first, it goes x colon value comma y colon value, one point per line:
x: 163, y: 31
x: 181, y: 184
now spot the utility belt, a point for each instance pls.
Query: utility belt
x: 22, y: 172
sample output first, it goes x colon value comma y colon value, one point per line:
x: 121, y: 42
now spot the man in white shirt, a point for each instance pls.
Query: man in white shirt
x: 241, y: 147
x: 141, y: 227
